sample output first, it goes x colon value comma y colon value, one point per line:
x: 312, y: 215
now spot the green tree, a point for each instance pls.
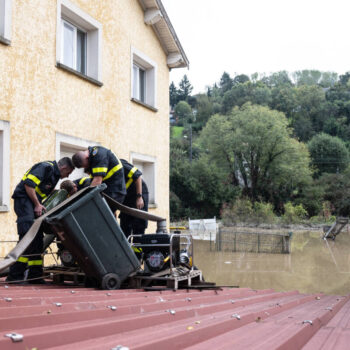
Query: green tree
x: 307, y: 77
x: 328, y: 153
x: 197, y: 190
x: 336, y: 189
x: 185, y: 89
x: 260, y: 94
x: 237, y: 96
x: 278, y: 79
x: 254, y: 147
x: 240, y: 79
x: 284, y: 100
x: 309, y: 116
x: 183, y: 112
x: 174, y: 94
x: 204, y: 111
x: 328, y: 79
x: 226, y: 83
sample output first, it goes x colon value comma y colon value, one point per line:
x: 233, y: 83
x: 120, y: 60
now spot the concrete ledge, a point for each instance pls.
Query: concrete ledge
x: 152, y: 206
x: 4, y: 208
x: 5, y: 41
x: 144, y: 104
x: 78, y: 74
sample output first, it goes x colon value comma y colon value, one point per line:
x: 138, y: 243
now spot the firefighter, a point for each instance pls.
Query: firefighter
x: 136, y: 197
x: 104, y: 166
x: 82, y: 182
x: 36, y: 184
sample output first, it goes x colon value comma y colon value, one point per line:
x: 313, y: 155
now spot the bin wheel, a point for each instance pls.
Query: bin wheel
x: 110, y: 281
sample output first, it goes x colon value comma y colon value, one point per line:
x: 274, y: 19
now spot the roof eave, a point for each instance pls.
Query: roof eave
x: 176, y: 58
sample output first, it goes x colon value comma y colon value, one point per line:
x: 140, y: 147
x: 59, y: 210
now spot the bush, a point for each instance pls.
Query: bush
x: 264, y: 213
x: 240, y: 211
x: 293, y: 214
x: 244, y: 211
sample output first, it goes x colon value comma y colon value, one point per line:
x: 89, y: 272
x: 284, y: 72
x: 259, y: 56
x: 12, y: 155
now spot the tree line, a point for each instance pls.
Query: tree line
x: 277, y: 139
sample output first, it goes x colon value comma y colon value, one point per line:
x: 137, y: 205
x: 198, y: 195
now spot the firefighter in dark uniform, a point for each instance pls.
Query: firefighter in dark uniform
x: 104, y: 166
x: 136, y: 197
x: 82, y: 182
x: 36, y: 184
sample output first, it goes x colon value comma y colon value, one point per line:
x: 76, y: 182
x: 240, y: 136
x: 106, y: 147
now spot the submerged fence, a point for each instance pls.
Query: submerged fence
x: 229, y: 239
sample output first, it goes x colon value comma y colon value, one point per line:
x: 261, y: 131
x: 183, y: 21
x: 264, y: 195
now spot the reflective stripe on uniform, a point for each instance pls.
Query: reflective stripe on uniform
x: 99, y: 170
x: 113, y: 171
x: 25, y: 175
x: 33, y: 178
x: 130, y: 174
x: 136, y: 250
x: 132, y: 171
x: 22, y: 259
x: 127, y: 185
x: 83, y: 179
x: 35, y: 262
x: 42, y: 195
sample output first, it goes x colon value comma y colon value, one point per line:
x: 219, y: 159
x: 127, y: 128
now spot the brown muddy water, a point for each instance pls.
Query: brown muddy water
x: 314, y: 265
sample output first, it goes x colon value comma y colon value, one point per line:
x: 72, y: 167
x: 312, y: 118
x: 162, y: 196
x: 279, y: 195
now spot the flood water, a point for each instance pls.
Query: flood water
x: 314, y: 265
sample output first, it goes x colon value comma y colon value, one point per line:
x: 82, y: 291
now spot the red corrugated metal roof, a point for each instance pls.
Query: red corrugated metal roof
x: 241, y: 318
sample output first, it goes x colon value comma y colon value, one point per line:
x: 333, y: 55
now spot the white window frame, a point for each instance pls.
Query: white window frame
x: 67, y: 11
x: 150, y: 67
x: 137, y: 93
x: 5, y: 21
x: 5, y: 169
x: 72, y: 142
x: 142, y: 158
x: 75, y: 31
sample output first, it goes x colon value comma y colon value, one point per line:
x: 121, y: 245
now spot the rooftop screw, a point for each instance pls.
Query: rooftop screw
x: 16, y: 337
x: 307, y: 321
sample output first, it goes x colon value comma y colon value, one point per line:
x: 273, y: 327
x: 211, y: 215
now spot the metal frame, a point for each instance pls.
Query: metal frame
x: 170, y: 245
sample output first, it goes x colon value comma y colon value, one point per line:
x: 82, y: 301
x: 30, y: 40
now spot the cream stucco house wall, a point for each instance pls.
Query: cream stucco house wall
x: 75, y: 73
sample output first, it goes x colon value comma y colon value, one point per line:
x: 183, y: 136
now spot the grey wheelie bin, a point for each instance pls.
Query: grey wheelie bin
x: 88, y: 229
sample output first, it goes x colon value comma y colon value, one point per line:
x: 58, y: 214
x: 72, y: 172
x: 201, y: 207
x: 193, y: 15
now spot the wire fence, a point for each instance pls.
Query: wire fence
x: 229, y: 239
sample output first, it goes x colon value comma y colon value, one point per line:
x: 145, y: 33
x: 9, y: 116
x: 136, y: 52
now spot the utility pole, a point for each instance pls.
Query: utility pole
x: 191, y: 143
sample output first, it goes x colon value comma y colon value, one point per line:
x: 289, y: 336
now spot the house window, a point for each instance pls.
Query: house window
x: 66, y: 146
x: 4, y: 165
x: 5, y: 21
x: 144, y: 72
x: 147, y: 166
x: 78, y: 44
x: 139, y: 86
x: 74, y: 47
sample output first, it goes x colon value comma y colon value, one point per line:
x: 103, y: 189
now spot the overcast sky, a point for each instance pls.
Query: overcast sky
x: 247, y: 36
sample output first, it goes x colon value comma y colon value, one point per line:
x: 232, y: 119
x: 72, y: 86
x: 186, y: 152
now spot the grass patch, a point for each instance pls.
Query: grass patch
x: 176, y: 131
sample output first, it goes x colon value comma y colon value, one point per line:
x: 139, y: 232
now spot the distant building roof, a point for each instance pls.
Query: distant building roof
x: 156, y: 16
x: 231, y: 318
